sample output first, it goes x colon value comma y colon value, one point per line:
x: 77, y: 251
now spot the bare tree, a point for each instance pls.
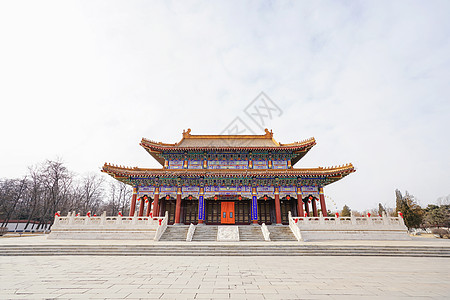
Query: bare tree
x: 91, y: 192
x: 11, y: 194
x: 444, y: 200
x: 57, y: 181
x: 119, y: 198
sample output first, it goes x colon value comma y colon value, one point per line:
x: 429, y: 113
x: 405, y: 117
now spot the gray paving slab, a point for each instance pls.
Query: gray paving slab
x: 222, y: 277
x: 133, y: 277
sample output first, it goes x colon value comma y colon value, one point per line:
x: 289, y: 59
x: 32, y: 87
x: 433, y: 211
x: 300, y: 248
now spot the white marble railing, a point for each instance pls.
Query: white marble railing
x: 265, y: 232
x: 190, y: 233
x: 71, y: 221
x: 352, y: 221
x: 162, y: 226
x: 294, y: 228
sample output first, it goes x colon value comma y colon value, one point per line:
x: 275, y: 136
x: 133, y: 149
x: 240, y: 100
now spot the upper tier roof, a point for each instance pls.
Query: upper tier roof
x: 227, y: 143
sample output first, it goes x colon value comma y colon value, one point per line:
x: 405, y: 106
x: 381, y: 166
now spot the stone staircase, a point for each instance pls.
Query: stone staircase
x: 205, y: 233
x: 224, y: 249
x: 281, y: 233
x: 250, y: 233
x: 175, y: 233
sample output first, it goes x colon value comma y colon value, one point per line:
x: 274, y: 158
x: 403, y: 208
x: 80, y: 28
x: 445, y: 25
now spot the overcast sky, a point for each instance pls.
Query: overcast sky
x: 370, y: 80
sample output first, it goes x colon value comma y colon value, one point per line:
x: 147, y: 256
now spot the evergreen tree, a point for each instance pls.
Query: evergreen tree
x: 436, y: 216
x: 346, y: 212
x: 412, y: 212
x: 381, y: 209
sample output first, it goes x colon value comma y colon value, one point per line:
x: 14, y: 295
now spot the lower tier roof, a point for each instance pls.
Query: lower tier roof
x: 127, y: 174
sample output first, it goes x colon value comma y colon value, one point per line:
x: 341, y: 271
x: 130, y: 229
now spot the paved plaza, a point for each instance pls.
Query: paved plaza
x: 171, y: 277
x: 222, y: 277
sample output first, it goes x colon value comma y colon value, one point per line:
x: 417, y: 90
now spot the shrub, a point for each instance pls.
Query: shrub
x: 441, y: 232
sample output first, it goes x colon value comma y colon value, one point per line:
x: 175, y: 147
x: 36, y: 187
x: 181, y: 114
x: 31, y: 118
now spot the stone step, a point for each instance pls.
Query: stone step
x: 175, y: 233
x: 225, y: 250
x: 205, y: 233
x: 281, y: 233
x: 250, y: 233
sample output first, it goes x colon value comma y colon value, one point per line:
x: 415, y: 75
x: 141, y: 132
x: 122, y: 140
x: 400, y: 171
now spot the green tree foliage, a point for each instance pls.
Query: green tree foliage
x: 412, y: 212
x: 381, y: 209
x: 346, y: 212
x: 437, y: 216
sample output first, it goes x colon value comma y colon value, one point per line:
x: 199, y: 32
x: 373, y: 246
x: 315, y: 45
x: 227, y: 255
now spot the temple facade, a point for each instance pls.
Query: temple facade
x: 228, y: 179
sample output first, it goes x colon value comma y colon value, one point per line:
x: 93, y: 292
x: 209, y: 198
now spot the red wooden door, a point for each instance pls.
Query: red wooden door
x: 227, y: 213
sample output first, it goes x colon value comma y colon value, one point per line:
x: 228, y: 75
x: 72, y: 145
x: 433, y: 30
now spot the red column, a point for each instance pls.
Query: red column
x: 314, y: 207
x: 178, y: 206
x: 307, y: 207
x: 277, y: 205
x: 141, y: 207
x: 300, y: 211
x: 149, y: 206
x: 323, y: 207
x: 156, y: 203
x: 133, y: 202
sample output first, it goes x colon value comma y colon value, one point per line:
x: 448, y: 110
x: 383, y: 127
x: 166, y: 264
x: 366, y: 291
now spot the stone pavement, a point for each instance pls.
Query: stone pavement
x: 223, y: 277
x: 171, y: 277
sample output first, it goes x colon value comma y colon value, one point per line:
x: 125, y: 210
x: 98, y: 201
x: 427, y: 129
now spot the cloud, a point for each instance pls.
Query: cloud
x: 369, y: 80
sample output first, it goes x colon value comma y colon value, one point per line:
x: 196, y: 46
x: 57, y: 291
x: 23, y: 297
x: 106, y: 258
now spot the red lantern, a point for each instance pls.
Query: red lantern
x: 215, y: 197
x: 190, y: 197
x: 337, y: 215
x: 288, y: 197
x: 88, y: 214
x: 239, y: 198
x: 167, y: 197
x: 296, y: 220
x: 57, y: 214
x: 368, y: 214
x: 120, y: 213
x: 160, y: 220
x: 265, y: 197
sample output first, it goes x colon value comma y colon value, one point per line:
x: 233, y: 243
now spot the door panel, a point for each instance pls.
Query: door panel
x: 190, y: 212
x: 169, y: 206
x: 242, y: 211
x: 213, y: 212
x: 266, y: 211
